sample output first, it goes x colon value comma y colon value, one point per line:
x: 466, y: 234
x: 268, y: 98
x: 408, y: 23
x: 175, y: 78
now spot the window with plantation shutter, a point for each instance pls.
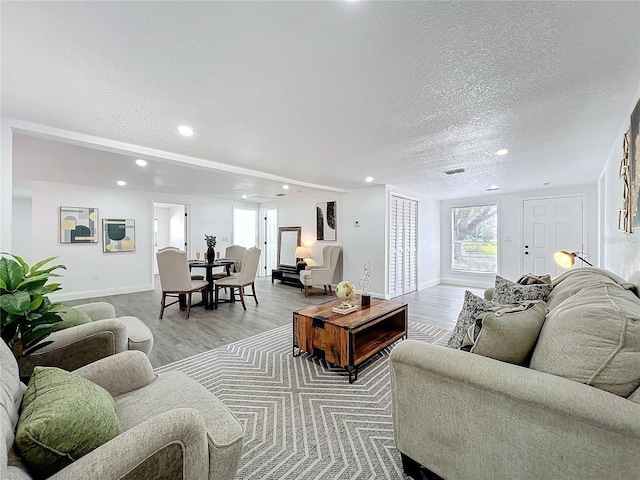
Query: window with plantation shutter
x: 403, y: 246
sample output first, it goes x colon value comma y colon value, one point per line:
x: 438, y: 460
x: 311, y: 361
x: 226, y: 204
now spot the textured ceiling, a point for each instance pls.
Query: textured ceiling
x: 330, y: 92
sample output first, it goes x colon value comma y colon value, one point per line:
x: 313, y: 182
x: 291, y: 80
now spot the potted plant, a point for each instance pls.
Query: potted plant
x: 25, y: 310
x: 211, y: 243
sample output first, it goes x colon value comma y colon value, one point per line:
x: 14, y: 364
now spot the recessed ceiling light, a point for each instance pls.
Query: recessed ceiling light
x: 122, y: 183
x: 286, y: 187
x: 502, y: 151
x: 492, y: 188
x: 140, y: 162
x: 244, y: 196
x: 368, y: 179
x: 185, y: 131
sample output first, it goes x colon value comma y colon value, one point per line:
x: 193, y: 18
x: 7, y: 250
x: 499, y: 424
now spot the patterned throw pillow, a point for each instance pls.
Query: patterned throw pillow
x: 473, y: 306
x: 510, y: 293
x: 531, y: 279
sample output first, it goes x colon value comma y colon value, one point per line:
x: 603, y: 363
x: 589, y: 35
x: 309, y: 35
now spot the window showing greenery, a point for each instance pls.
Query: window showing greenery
x: 474, y: 234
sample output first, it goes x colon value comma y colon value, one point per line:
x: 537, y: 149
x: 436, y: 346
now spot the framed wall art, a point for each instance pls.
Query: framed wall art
x: 634, y: 160
x: 326, y: 222
x: 78, y: 225
x: 118, y: 235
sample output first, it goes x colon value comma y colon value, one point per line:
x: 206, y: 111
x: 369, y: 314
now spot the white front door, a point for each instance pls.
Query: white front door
x: 551, y: 224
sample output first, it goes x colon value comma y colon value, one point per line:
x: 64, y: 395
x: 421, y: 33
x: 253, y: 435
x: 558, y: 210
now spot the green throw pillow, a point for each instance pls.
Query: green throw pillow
x: 71, y: 317
x: 64, y: 417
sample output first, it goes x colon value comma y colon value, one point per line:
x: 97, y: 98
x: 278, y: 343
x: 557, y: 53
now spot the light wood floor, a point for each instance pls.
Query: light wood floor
x: 176, y: 338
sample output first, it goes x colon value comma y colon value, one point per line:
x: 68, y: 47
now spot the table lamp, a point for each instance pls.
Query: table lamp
x: 301, y: 254
x: 567, y: 259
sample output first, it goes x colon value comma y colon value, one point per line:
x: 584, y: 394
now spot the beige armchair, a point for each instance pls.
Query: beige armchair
x: 321, y: 275
x: 77, y: 346
x: 175, y: 278
x: 246, y: 277
x: 172, y: 427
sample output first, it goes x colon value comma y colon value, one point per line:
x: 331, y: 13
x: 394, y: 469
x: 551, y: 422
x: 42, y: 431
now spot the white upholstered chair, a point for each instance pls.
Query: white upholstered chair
x: 235, y: 253
x: 321, y: 275
x: 246, y: 277
x: 193, y: 276
x: 175, y: 278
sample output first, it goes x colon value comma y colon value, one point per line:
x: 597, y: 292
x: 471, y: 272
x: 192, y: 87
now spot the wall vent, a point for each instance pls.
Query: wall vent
x: 454, y: 171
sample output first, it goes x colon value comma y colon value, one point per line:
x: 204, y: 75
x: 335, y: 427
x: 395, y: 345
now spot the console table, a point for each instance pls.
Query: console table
x: 286, y: 275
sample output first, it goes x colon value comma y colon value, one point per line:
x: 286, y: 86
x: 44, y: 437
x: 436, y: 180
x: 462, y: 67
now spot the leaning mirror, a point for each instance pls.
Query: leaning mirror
x: 288, y: 239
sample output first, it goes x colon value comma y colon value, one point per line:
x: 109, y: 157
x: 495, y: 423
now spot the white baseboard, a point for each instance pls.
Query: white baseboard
x: 430, y: 283
x: 104, y: 292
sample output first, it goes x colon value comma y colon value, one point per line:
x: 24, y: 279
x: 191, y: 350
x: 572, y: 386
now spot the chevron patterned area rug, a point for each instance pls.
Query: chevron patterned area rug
x: 302, y: 418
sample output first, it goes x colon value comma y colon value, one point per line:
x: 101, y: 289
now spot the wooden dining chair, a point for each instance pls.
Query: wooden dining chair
x: 237, y: 282
x: 175, y: 278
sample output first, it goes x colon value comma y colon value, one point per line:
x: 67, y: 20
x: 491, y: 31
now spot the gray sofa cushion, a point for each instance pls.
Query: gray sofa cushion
x: 508, y: 334
x: 592, y: 336
x: 510, y: 293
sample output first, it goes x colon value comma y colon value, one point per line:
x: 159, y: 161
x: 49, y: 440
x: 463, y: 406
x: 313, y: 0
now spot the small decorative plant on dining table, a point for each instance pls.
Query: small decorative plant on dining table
x: 211, y: 243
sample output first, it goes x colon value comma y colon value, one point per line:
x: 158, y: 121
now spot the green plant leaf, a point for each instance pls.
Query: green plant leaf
x: 33, y: 335
x: 35, y: 303
x: 35, y: 268
x: 50, y: 317
x: 30, y: 280
x: 33, y: 316
x: 16, y: 303
x: 32, y: 286
x: 29, y: 351
x: 3, y: 284
x: 47, y: 270
x: 52, y: 287
x: 10, y: 272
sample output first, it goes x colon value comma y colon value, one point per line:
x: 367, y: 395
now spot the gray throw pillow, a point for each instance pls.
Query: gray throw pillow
x: 508, y: 334
x: 511, y: 293
x: 473, y: 306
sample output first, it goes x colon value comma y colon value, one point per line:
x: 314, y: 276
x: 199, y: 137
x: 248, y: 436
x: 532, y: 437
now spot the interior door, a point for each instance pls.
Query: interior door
x: 403, y: 236
x: 270, y: 240
x: 551, y: 224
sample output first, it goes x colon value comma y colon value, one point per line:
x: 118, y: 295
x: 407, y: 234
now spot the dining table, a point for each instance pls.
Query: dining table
x: 209, y: 266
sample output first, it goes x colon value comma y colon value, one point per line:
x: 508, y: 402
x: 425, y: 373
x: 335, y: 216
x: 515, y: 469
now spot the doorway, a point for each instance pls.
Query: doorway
x: 169, y: 228
x: 551, y: 224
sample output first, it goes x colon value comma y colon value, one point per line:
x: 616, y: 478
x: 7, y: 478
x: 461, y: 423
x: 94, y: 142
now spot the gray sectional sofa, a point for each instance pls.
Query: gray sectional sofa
x: 574, y: 413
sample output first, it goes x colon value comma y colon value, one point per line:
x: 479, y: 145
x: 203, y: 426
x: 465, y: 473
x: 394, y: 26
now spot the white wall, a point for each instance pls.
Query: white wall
x: 90, y: 271
x: 21, y: 229
x: 510, y: 231
x: 368, y: 242
x: 117, y: 272
x: 620, y: 251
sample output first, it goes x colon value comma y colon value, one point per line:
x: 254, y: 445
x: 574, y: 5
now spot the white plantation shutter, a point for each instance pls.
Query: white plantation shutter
x: 403, y: 246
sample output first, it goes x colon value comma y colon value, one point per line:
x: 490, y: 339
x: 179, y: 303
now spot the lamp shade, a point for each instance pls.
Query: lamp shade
x: 564, y: 259
x: 567, y: 259
x: 302, y: 252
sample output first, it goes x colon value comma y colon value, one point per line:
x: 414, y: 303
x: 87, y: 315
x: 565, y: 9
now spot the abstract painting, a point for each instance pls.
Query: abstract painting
x: 634, y: 157
x: 326, y: 221
x: 78, y: 225
x: 118, y: 235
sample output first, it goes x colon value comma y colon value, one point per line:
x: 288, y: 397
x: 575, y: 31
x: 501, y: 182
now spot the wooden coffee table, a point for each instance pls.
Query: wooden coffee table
x: 349, y: 340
